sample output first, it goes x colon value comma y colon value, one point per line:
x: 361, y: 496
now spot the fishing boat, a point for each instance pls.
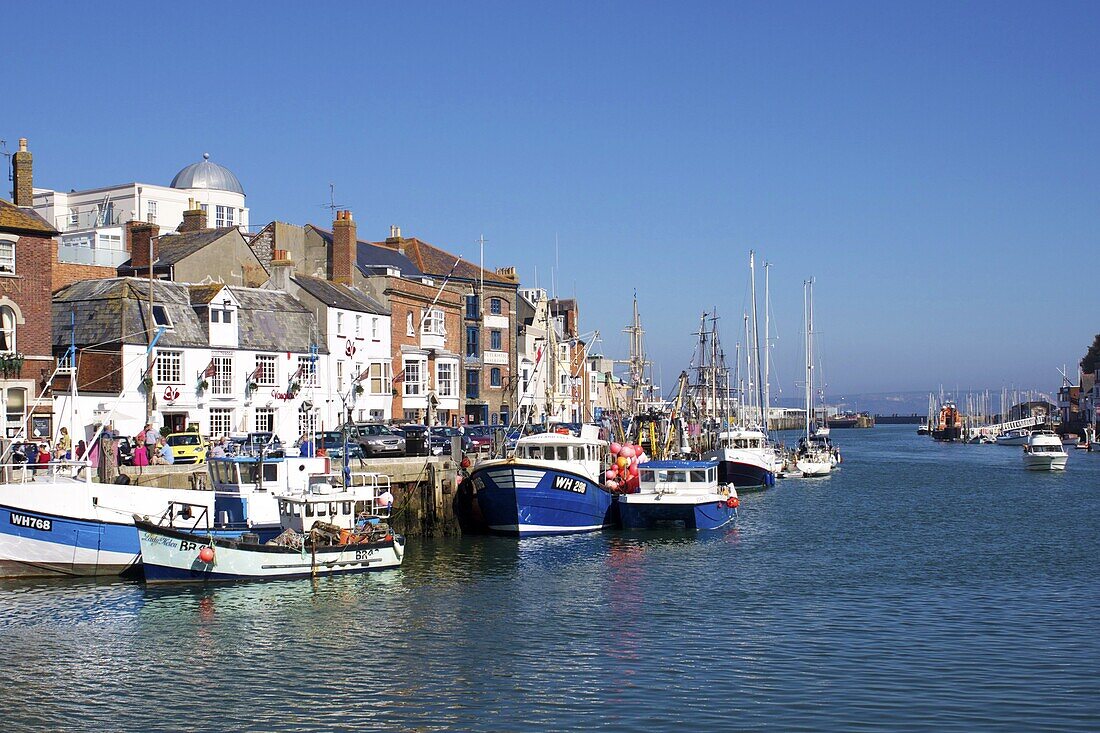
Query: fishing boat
x: 746, y: 459
x: 56, y: 521
x: 1014, y: 437
x: 678, y: 493
x: 1044, y: 452
x: 332, y: 528
x: 948, y: 429
x: 813, y: 458
x: 551, y: 484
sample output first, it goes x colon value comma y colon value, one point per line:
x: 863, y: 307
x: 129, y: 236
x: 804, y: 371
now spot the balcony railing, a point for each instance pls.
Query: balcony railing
x: 81, y: 255
x: 91, y: 219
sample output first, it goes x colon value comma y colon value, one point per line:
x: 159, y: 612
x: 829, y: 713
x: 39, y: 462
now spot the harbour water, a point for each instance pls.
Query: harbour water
x: 923, y: 586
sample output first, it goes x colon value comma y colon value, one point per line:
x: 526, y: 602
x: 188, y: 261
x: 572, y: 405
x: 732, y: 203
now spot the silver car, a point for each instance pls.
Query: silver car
x: 377, y: 439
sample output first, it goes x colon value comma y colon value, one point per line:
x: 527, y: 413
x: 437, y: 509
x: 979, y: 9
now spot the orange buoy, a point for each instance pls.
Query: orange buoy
x: 206, y: 555
x: 733, y: 502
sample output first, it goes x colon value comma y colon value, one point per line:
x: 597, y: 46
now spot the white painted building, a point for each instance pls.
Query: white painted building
x: 92, y: 222
x: 230, y: 360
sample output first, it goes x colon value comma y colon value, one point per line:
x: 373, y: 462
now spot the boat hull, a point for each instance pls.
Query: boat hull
x: 1055, y: 462
x: 813, y: 468
x: 169, y: 556
x: 1012, y: 440
x: 742, y: 468
x: 647, y: 512
x: 524, y: 500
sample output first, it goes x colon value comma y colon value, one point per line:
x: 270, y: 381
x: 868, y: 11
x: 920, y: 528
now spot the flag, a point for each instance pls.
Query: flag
x: 210, y: 370
x: 538, y: 355
x: 399, y: 377
x: 363, y: 375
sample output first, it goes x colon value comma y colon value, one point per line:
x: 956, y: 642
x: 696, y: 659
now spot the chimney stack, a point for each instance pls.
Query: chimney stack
x: 344, y: 245
x: 22, y: 188
x: 282, y: 267
x: 139, y: 236
x: 194, y: 219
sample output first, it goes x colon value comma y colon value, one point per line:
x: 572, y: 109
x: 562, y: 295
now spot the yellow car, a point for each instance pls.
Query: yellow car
x: 187, y: 447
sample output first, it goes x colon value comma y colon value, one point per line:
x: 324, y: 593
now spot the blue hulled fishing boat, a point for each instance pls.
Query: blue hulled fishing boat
x: 552, y: 484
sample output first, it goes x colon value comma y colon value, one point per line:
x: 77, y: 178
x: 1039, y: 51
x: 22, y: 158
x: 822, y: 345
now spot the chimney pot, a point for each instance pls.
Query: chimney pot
x: 22, y: 145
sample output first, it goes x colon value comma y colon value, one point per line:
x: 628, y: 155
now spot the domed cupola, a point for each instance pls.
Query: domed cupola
x: 205, y: 174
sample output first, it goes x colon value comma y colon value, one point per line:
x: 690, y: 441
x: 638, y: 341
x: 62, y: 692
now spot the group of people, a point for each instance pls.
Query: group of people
x: 150, y: 449
x: 41, y: 453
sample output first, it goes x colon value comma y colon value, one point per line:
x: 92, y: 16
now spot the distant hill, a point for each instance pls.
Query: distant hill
x: 914, y: 402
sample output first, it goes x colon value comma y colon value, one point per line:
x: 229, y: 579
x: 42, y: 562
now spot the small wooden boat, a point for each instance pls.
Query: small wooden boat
x: 329, y: 529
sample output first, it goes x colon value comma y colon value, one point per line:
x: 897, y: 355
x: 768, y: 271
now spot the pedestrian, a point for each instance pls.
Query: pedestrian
x: 305, y: 446
x: 218, y: 449
x: 81, y: 449
x: 64, y: 444
x: 141, y: 455
x: 150, y: 438
x: 44, y: 456
x: 162, y: 454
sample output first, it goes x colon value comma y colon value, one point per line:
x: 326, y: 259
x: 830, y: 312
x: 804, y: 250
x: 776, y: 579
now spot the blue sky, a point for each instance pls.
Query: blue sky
x: 933, y: 165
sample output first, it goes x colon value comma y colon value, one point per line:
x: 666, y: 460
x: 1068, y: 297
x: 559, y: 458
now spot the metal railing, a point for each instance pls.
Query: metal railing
x: 82, y: 255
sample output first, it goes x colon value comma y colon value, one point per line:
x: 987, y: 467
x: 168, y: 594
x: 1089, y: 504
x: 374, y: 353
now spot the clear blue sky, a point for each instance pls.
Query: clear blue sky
x: 936, y: 166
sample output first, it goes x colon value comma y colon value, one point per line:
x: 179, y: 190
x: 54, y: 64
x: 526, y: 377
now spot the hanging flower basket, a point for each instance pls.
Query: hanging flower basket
x: 251, y: 387
x: 358, y: 390
x: 295, y: 388
x: 11, y: 364
x: 147, y: 384
x: 203, y: 385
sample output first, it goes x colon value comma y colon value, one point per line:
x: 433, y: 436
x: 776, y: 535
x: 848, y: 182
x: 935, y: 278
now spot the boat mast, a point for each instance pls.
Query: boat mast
x: 756, y: 337
x: 808, y: 317
x: 767, y: 349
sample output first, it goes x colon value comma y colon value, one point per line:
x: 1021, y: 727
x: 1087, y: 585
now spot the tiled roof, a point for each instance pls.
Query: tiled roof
x: 172, y: 248
x: 437, y: 262
x: 117, y: 309
x: 368, y: 255
x: 340, y: 296
x: 23, y: 220
x: 203, y: 294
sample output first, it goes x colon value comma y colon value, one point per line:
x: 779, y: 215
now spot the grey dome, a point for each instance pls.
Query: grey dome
x: 205, y: 174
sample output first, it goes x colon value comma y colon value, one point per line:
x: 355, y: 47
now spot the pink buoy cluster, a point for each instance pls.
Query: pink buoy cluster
x: 623, y: 474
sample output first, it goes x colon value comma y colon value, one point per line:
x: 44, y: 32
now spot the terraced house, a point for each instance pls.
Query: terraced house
x: 26, y: 259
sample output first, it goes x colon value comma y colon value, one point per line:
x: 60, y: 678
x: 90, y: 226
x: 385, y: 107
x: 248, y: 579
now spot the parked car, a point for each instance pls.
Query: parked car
x: 416, y: 439
x: 481, y: 438
x: 441, y: 440
x: 188, y: 447
x: 252, y: 443
x: 332, y: 441
x: 376, y: 439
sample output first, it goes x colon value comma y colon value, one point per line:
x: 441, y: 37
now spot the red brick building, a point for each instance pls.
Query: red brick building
x: 27, y: 252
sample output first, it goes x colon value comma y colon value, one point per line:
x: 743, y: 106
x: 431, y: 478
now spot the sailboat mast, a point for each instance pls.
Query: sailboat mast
x: 756, y: 336
x: 767, y: 348
x: 808, y: 316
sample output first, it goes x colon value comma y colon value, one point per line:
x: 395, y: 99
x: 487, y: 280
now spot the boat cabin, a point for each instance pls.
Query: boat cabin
x: 327, y: 499
x: 742, y: 439
x: 671, y: 476
x: 245, y: 486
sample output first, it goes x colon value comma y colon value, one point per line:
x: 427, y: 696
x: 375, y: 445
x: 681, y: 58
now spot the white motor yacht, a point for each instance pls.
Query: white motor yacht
x: 1044, y: 452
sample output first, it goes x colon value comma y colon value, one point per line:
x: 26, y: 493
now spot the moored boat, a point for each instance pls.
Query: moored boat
x: 948, y: 428
x: 679, y: 493
x: 329, y: 529
x: 746, y: 459
x: 1014, y: 437
x: 1044, y: 452
x: 551, y: 484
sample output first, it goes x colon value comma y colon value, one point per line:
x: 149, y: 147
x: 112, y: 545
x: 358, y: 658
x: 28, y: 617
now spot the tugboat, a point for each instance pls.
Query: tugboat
x: 949, y: 427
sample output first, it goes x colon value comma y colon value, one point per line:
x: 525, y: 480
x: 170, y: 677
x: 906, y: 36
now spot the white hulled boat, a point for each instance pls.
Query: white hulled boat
x: 1044, y: 452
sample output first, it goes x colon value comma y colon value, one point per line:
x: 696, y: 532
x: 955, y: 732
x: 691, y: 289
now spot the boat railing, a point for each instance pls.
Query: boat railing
x: 373, y: 482
x: 186, y: 516
x: 16, y: 472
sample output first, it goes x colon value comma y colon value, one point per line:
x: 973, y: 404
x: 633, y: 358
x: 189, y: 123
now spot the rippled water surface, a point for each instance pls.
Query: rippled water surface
x: 921, y: 587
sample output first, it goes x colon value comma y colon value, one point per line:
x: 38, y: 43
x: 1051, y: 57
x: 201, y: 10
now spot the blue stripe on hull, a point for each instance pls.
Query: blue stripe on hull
x: 745, y: 475
x: 92, y: 535
x: 692, y: 516
x: 543, y: 509
x: 162, y: 574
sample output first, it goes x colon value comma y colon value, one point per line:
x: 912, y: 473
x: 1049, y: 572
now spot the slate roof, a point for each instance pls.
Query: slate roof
x: 172, y: 248
x: 368, y: 255
x: 435, y: 261
x: 340, y: 296
x: 117, y: 309
x: 23, y: 220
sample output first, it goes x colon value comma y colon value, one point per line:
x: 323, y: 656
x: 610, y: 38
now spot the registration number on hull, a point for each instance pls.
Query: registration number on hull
x: 23, y: 520
x: 566, y: 483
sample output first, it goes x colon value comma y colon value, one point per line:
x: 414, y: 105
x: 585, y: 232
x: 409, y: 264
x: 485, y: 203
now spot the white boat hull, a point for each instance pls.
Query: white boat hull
x: 811, y: 468
x: 173, y: 557
x: 1045, y: 462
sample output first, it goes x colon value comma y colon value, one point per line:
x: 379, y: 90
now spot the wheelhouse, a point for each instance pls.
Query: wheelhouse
x: 674, y: 475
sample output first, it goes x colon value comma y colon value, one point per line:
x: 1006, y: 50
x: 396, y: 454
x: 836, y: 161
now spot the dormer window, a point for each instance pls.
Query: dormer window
x: 221, y: 315
x: 160, y: 317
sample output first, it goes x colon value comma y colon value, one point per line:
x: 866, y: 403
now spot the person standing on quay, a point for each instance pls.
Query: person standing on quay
x: 64, y: 444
